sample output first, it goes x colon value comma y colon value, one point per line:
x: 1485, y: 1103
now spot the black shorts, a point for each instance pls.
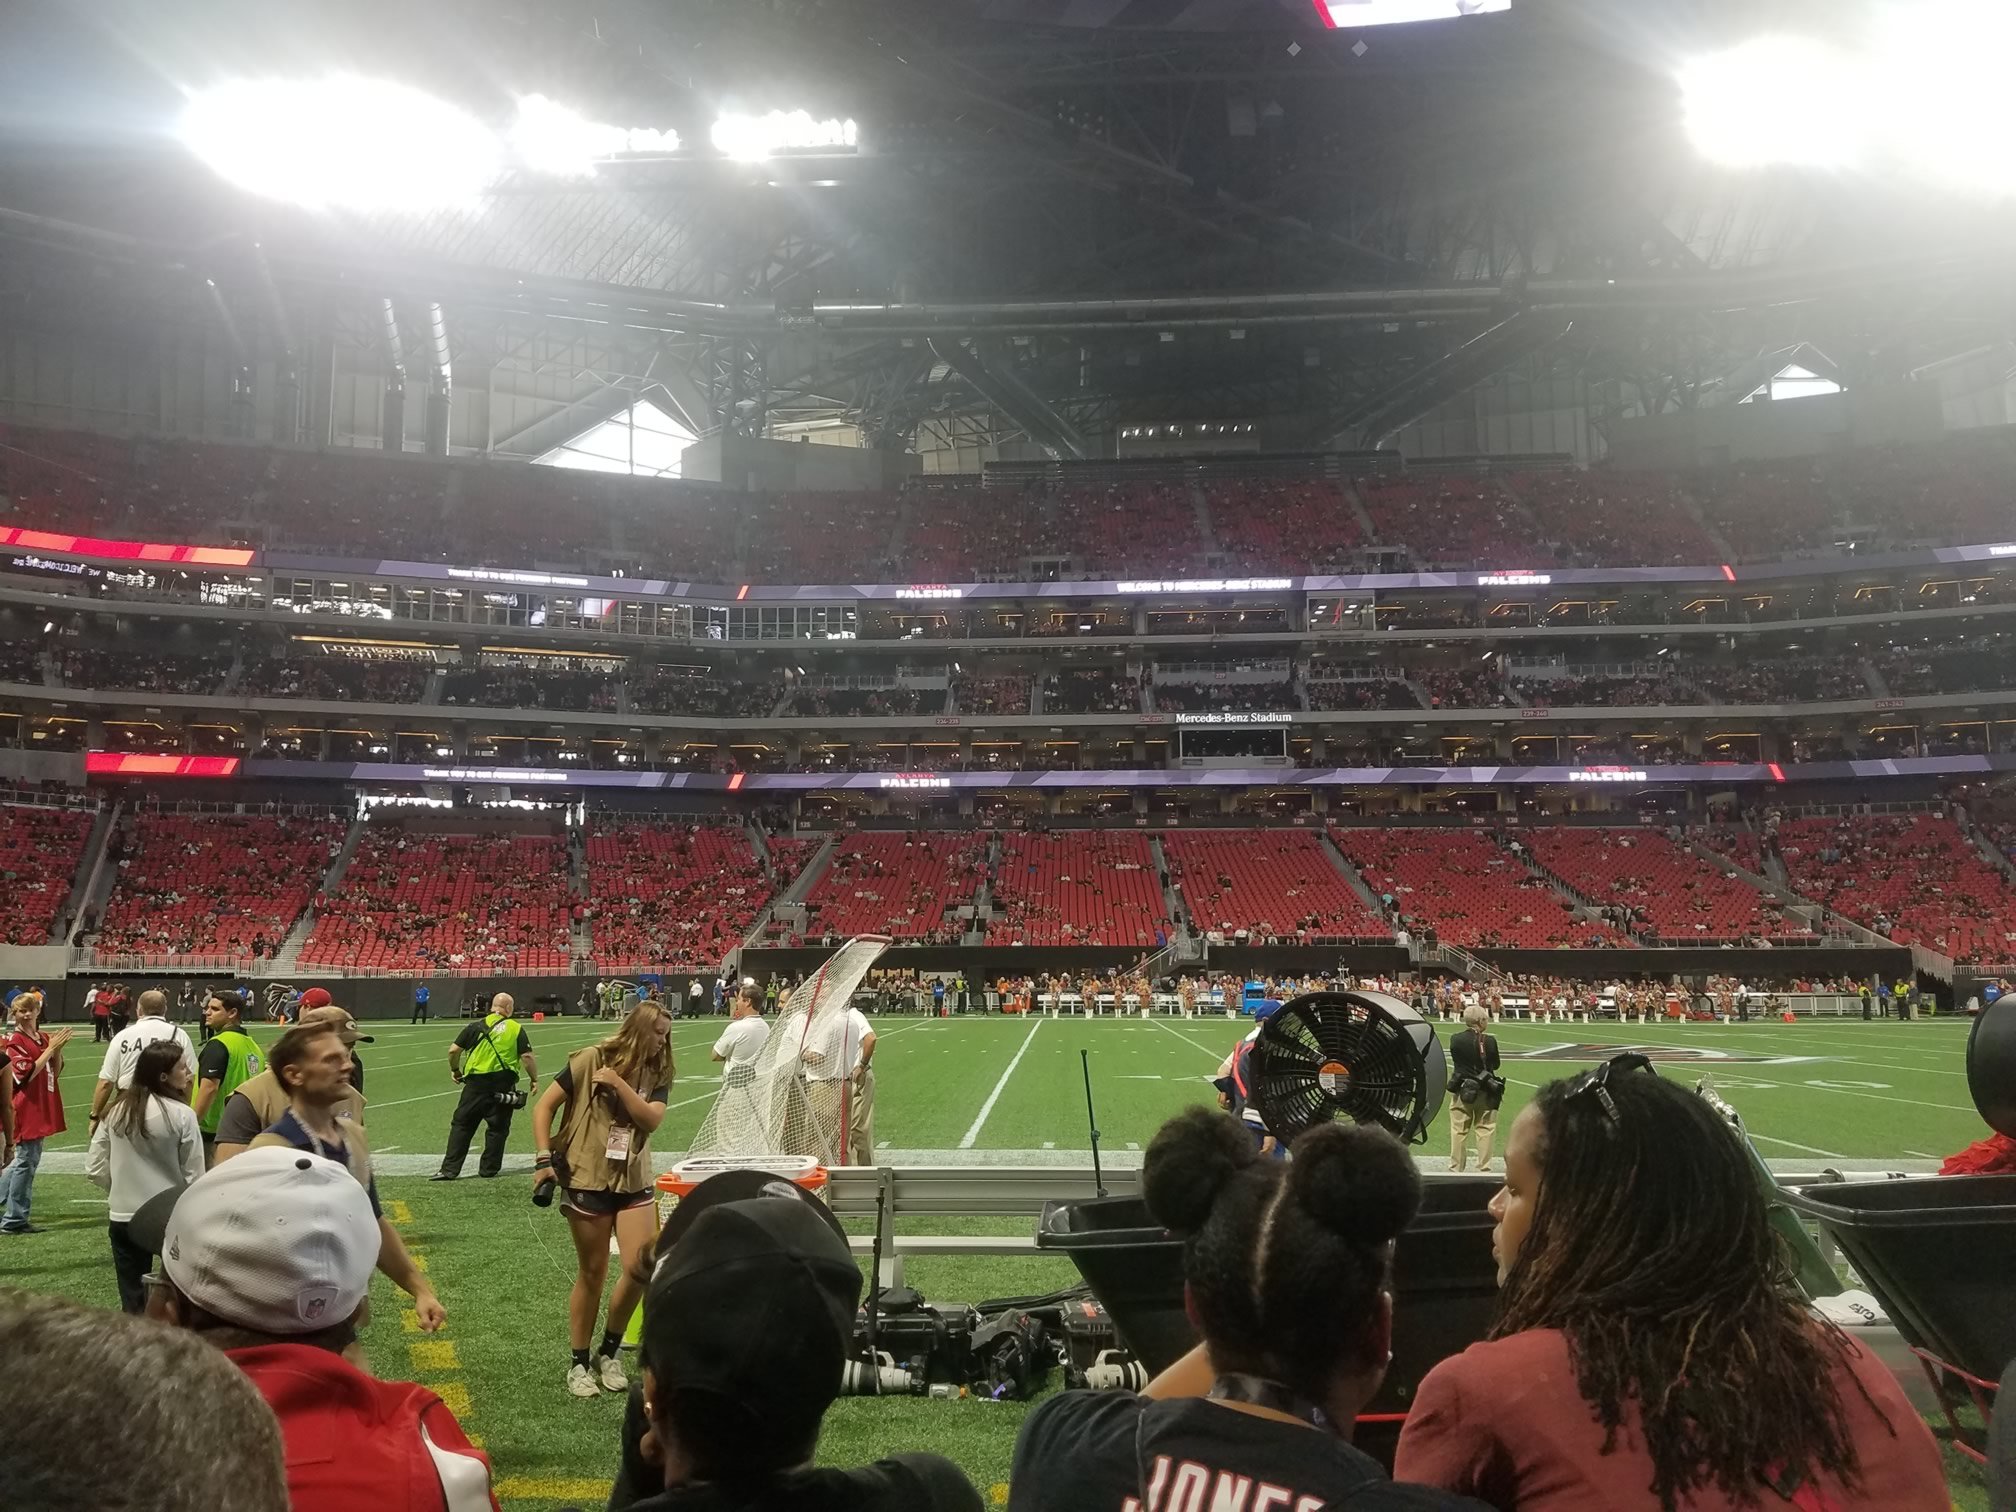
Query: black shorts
x: 603, y: 1204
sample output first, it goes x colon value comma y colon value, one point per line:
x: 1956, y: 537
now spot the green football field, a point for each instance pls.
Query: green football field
x: 1007, y: 1091
x: 1010, y: 1090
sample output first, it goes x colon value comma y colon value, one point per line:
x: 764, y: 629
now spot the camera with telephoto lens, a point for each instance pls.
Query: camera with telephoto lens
x: 515, y: 1098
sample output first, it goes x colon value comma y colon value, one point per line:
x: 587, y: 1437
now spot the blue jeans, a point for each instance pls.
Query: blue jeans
x: 17, y: 1184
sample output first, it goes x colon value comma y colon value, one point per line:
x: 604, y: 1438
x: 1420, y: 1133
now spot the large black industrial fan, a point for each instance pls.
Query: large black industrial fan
x: 1991, y: 1065
x: 1357, y: 1055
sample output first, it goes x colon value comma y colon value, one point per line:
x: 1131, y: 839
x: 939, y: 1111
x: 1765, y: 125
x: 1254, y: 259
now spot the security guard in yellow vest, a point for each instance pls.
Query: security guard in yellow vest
x: 496, y: 1050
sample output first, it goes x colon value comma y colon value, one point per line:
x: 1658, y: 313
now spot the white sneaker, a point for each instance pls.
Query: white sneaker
x: 610, y: 1369
x: 580, y: 1383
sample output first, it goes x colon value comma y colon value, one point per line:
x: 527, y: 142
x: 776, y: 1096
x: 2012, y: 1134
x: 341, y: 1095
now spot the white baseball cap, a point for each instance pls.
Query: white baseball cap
x: 278, y: 1241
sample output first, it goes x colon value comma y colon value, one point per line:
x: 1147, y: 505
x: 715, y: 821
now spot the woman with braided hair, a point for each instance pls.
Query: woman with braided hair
x: 1287, y: 1275
x: 1652, y: 1348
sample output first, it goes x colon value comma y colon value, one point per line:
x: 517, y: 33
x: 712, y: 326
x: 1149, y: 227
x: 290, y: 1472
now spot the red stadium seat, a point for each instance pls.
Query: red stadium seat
x: 1468, y: 888
x: 903, y: 885
x: 1671, y: 892
x: 215, y: 884
x: 1914, y: 877
x: 672, y: 897
x: 1268, y: 883
x: 1078, y: 887
x: 40, y: 851
x: 460, y: 903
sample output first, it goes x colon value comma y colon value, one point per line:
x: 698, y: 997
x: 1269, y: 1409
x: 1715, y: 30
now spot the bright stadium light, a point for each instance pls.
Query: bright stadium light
x: 341, y: 142
x: 548, y: 137
x: 751, y: 139
x: 1773, y: 100
x: 1944, y: 68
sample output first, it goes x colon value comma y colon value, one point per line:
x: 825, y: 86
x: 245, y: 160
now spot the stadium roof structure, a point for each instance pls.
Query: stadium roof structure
x: 1060, y: 216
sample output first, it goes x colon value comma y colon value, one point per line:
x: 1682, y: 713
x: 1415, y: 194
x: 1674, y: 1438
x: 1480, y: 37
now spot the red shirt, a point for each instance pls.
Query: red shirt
x: 38, y: 1101
x: 1504, y: 1421
x: 355, y: 1443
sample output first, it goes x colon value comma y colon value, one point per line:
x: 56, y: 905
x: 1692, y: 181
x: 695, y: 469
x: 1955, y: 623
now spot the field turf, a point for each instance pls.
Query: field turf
x: 1006, y: 1091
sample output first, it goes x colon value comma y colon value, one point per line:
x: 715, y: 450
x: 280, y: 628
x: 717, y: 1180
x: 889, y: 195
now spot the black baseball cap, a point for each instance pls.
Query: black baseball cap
x: 750, y: 1312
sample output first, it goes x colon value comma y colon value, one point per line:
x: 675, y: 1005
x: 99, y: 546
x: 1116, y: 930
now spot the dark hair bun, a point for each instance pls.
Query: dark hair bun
x: 1357, y: 1181
x: 1189, y: 1162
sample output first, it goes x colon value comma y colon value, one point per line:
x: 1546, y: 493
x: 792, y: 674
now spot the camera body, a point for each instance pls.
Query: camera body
x: 932, y: 1342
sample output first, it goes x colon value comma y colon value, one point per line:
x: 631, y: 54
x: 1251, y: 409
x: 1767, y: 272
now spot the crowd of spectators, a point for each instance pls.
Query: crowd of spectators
x: 1355, y: 693
x: 542, y: 687
x: 1227, y: 697
x: 1283, y: 525
x: 20, y: 662
x: 1605, y: 692
x: 1915, y: 878
x: 1453, y: 521
x: 358, y: 503
x: 692, y: 690
x: 219, y: 884
x: 1091, y: 690
x: 1462, y: 688
x: 40, y: 849
x: 1792, y: 679
x: 353, y: 679
x: 858, y: 703
x: 1982, y: 664
x: 1610, y: 518
x: 990, y: 695
x: 144, y: 671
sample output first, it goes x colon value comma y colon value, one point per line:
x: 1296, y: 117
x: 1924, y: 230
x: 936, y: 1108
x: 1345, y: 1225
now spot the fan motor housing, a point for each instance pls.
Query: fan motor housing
x: 1366, y: 1056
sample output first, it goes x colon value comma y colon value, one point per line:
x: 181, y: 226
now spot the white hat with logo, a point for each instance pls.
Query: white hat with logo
x: 278, y: 1241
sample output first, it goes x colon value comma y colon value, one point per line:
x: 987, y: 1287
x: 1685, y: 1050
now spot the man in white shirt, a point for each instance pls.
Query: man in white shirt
x: 123, y: 1054
x: 853, y: 1067
x: 742, y: 1040
x: 695, y: 999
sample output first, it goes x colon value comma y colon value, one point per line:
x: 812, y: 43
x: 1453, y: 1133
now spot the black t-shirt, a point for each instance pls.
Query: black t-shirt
x: 1094, y: 1451
x: 213, y: 1060
x: 901, y: 1483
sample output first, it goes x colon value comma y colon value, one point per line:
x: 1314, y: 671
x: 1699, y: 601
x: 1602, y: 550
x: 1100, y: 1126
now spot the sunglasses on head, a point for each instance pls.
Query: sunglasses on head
x: 1596, y: 1083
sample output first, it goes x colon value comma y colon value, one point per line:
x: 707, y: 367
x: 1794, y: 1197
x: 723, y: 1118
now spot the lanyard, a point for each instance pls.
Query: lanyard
x: 1256, y: 1391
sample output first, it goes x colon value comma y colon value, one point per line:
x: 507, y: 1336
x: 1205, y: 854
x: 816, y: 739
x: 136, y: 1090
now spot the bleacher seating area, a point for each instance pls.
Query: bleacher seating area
x: 665, y: 893
x: 349, y: 678
x: 1448, y: 520
x: 1669, y: 892
x: 143, y: 671
x: 1078, y: 887
x: 1275, y: 884
x: 666, y: 896
x: 901, y: 885
x: 39, y: 854
x: 1913, y: 877
x: 1468, y: 888
x: 1281, y: 525
x: 363, y: 504
x: 412, y: 901
x: 216, y: 884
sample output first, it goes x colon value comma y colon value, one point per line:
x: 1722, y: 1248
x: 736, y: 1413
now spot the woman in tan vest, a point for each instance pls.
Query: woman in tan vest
x: 600, y: 1158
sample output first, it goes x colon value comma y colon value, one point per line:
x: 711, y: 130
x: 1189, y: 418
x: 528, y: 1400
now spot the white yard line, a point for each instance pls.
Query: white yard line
x: 993, y: 1097
x: 1794, y: 1145
x: 1214, y: 1054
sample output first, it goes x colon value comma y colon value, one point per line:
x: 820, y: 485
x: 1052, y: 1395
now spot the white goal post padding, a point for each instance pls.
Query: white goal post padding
x: 795, y: 1099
